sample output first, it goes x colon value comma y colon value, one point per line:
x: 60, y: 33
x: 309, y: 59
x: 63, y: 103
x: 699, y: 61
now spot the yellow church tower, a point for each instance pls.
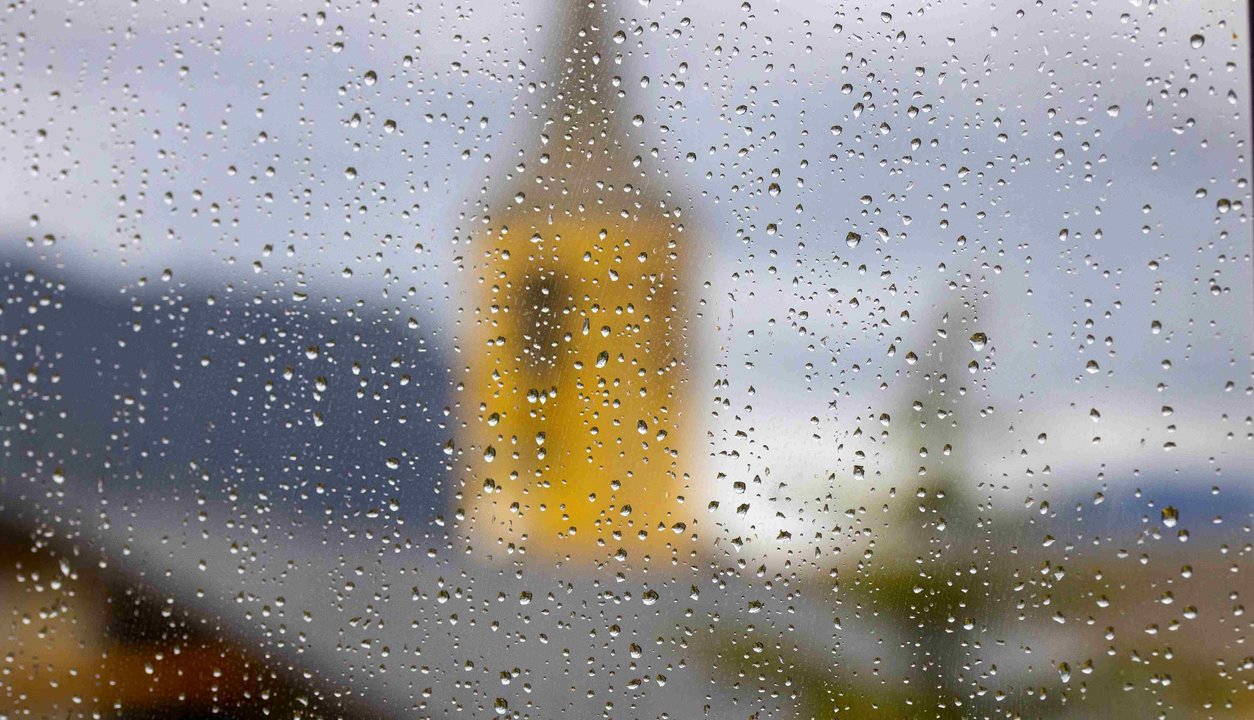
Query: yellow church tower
x: 574, y: 418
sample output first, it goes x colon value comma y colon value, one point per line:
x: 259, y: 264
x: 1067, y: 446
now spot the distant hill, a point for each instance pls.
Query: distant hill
x: 272, y: 409
x: 1132, y: 507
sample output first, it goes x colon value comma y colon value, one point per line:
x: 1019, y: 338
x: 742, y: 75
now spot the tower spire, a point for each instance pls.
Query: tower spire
x: 576, y: 354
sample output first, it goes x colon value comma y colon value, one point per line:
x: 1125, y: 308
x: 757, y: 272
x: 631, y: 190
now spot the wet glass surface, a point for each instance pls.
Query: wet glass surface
x: 625, y: 359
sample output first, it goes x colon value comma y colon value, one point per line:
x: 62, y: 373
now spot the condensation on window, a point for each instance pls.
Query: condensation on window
x: 625, y: 359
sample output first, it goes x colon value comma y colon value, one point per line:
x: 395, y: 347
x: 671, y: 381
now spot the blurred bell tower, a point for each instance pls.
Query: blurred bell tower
x: 576, y: 430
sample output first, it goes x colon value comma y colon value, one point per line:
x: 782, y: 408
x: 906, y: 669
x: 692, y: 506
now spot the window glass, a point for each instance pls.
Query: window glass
x: 625, y: 359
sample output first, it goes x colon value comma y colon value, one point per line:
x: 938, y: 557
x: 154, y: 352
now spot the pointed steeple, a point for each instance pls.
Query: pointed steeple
x: 577, y: 360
